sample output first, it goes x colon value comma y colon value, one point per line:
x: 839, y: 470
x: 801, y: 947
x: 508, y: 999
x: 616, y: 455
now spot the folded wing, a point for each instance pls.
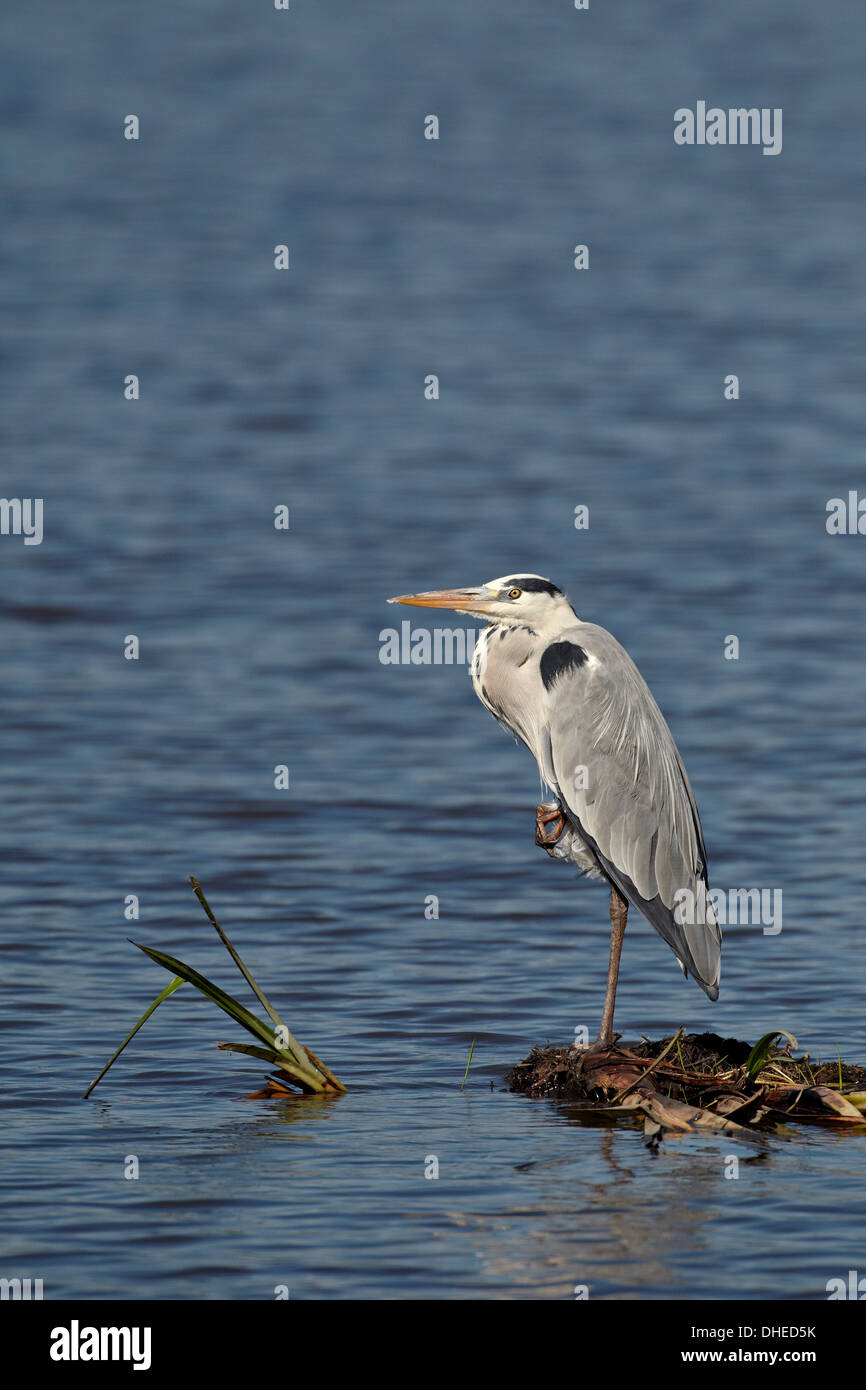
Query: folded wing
x: 619, y: 775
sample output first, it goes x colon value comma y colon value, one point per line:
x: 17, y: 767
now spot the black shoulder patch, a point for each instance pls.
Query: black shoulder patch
x: 559, y: 658
x: 530, y: 585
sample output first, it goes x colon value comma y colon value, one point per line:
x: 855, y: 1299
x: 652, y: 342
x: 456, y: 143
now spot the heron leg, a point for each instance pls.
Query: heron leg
x: 552, y: 817
x: 618, y: 915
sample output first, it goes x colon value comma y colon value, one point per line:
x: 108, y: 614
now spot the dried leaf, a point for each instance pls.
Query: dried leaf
x: 739, y: 1108
x: 832, y: 1100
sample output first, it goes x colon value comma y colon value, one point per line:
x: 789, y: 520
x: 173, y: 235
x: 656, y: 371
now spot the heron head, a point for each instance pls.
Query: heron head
x: 517, y: 600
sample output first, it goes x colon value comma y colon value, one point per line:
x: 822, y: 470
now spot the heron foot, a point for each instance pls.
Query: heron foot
x: 549, y: 825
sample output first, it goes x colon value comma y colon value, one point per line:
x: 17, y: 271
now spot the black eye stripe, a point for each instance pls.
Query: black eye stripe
x: 530, y: 585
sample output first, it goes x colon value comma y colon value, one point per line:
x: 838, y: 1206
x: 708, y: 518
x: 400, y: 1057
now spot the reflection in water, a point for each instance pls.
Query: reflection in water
x: 623, y: 1232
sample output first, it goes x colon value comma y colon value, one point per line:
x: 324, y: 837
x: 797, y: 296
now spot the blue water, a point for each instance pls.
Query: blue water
x: 259, y: 647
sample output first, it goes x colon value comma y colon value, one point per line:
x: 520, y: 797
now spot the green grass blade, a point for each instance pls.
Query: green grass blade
x: 283, y: 1036
x: 468, y: 1065
x: 234, y: 1010
x: 169, y: 989
x: 760, y: 1053
x: 257, y: 991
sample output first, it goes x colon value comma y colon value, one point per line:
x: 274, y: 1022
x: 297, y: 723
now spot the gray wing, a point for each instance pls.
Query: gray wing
x: 636, y: 810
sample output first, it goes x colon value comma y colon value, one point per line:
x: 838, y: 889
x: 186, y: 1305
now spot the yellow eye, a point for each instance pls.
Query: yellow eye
x: 514, y: 593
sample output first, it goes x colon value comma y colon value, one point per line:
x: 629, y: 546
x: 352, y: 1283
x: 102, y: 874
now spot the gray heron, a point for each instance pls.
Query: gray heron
x: 624, y: 810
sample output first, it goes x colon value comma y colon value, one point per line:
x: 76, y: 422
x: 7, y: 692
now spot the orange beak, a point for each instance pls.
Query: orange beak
x: 460, y: 600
